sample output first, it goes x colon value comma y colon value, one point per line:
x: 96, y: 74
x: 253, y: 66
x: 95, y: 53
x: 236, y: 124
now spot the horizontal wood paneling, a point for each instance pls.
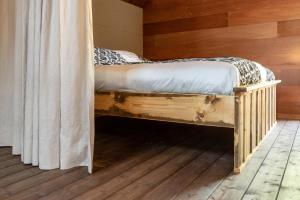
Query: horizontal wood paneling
x: 139, y: 3
x: 272, y: 12
x: 195, y: 23
x: 289, y: 28
x: 266, y: 31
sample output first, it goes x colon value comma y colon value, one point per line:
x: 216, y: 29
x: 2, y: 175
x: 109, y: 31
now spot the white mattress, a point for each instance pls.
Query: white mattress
x: 205, y: 77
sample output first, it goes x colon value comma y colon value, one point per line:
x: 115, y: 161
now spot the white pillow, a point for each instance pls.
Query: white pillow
x: 129, y: 56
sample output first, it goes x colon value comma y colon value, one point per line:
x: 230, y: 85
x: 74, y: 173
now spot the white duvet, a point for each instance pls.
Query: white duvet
x: 205, y: 77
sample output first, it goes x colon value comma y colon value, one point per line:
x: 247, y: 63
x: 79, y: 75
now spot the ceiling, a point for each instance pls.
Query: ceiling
x: 139, y: 3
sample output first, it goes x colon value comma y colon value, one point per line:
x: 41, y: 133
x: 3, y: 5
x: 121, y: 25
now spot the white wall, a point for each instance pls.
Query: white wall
x: 118, y: 25
x: 7, y: 30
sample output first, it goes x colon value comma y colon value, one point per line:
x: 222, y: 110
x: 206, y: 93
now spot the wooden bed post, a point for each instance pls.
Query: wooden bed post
x: 238, y: 132
x: 255, y: 116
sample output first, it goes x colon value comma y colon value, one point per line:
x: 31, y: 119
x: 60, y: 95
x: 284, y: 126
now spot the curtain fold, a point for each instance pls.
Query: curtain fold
x: 53, y: 75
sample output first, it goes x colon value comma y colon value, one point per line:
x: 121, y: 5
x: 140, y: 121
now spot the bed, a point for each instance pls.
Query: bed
x: 223, y: 92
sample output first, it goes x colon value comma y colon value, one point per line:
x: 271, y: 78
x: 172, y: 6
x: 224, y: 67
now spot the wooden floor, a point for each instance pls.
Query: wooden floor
x: 136, y: 159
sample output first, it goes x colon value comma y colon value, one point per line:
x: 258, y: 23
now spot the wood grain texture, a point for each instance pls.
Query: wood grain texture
x: 247, y: 107
x: 231, y: 111
x: 290, y: 185
x: 185, y: 108
x: 139, y: 3
x: 267, y: 181
x: 206, y: 183
x: 266, y: 31
x: 190, y: 24
x: 199, y: 168
x: 234, y: 186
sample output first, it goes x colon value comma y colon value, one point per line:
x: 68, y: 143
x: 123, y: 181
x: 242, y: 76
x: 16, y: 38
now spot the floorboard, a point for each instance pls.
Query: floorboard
x: 140, y: 159
x: 183, y: 177
x: 169, y: 160
x: 266, y: 183
x: 290, y: 186
x: 207, y: 182
x: 234, y: 186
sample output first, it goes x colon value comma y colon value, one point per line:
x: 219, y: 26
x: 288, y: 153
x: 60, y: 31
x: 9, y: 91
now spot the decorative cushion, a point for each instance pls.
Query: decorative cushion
x: 129, y: 56
x: 107, y: 57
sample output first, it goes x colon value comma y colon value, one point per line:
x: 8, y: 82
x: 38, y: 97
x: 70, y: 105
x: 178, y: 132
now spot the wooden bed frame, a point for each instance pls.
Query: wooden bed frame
x: 251, y: 112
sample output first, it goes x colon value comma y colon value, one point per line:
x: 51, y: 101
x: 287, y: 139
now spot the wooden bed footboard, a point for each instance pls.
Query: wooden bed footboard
x: 255, y: 115
x: 251, y: 112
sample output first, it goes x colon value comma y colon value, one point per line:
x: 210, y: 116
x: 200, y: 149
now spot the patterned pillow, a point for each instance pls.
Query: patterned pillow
x: 107, y: 57
x: 129, y: 56
x: 270, y: 75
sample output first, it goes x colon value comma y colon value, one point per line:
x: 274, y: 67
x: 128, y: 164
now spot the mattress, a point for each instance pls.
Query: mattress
x: 194, y: 76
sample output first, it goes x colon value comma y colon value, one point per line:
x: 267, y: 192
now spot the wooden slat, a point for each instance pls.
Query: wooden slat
x: 238, y: 132
x: 254, y: 120
x: 272, y: 105
x: 247, y: 125
x: 267, y: 108
x: 275, y: 103
x: 259, y: 116
x: 263, y: 111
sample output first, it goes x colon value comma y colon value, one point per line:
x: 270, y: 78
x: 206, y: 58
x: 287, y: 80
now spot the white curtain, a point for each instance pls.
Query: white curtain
x: 50, y: 90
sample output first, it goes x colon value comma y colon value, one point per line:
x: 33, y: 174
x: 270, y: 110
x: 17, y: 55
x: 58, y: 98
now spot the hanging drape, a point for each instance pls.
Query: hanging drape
x: 51, y: 84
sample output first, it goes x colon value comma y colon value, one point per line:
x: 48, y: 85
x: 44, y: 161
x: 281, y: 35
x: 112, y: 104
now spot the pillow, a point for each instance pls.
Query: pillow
x: 107, y: 57
x: 129, y: 56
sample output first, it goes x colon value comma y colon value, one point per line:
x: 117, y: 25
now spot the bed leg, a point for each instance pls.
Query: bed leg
x: 238, y: 132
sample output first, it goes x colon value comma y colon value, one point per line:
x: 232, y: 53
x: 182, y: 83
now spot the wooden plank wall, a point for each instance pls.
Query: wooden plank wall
x: 267, y: 31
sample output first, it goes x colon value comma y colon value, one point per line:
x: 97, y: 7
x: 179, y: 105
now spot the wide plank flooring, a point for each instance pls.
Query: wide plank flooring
x: 146, y: 160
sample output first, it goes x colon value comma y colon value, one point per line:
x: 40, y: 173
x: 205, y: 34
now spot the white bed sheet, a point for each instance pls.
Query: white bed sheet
x: 205, y: 77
